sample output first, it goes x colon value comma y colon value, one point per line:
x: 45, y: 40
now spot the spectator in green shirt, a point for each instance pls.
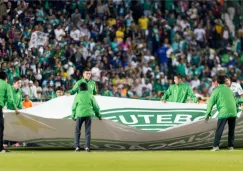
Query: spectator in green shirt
x: 106, y: 92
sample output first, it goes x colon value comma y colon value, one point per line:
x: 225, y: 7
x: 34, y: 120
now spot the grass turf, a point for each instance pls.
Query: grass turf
x: 223, y: 160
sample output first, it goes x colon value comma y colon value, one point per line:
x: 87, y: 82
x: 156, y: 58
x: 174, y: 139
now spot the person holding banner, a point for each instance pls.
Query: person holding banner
x: 5, y: 96
x: 16, y: 93
x: 178, y: 92
x: 84, y: 107
x: 223, y: 97
x: 86, y: 79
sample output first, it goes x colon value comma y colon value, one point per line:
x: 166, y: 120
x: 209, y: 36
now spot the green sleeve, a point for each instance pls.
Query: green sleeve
x: 75, y: 88
x: 20, y: 106
x: 239, y: 100
x: 211, y: 103
x: 10, y: 97
x: 95, y: 89
x: 191, y: 94
x: 96, y: 107
x: 75, y: 103
x: 167, y: 94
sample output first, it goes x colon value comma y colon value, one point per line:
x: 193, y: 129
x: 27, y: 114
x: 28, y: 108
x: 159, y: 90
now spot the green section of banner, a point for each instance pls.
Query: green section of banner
x: 153, y: 120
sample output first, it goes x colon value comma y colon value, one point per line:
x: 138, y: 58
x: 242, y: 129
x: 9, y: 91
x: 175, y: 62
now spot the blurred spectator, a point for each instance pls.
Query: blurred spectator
x: 27, y: 103
x: 128, y: 44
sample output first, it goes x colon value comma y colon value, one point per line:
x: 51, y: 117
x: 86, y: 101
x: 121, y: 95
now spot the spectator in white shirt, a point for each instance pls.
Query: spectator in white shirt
x: 59, y: 33
x: 32, y: 91
x: 200, y: 35
x: 26, y: 88
x: 75, y: 34
x: 235, y: 87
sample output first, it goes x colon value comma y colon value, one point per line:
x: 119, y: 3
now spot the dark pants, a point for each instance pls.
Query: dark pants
x: 79, y: 123
x: 1, y: 128
x: 220, y: 129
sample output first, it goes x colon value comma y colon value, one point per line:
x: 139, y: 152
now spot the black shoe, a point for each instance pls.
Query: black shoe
x: 87, y: 149
x: 77, y: 149
x: 4, y: 151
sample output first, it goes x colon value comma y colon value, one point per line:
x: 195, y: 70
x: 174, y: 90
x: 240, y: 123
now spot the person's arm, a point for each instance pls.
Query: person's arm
x: 75, y: 88
x: 239, y: 100
x: 239, y: 90
x: 35, y: 92
x: 211, y: 103
x: 74, y: 106
x: 20, y: 106
x: 167, y: 94
x: 10, y: 99
x: 95, y: 107
x: 95, y: 89
x: 191, y: 94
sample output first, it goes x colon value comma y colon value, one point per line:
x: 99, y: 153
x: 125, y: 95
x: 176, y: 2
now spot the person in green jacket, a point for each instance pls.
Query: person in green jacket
x: 16, y: 93
x: 178, y: 92
x: 226, y: 103
x: 86, y: 79
x: 59, y: 92
x: 5, y: 96
x: 84, y: 107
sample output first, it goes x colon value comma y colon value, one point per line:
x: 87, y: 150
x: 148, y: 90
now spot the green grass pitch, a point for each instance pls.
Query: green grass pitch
x: 20, y: 160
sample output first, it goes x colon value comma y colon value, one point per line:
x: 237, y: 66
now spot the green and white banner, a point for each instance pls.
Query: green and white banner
x: 127, y: 124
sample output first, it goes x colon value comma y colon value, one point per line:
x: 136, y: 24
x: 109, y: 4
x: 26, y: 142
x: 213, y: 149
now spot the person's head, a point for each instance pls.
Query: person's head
x: 87, y: 73
x: 227, y: 81
x: 17, y: 82
x: 26, y: 97
x: 83, y: 87
x: 177, y: 79
x: 221, y: 79
x: 3, y: 76
x: 59, y: 91
x: 30, y: 83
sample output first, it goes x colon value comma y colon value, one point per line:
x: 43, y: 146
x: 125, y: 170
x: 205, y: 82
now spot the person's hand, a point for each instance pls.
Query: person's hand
x: 206, y: 119
x: 68, y: 94
x: 164, y: 101
x: 16, y: 111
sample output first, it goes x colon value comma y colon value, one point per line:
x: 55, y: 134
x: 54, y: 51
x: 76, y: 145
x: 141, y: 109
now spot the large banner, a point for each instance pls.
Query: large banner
x: 127, y: 124
x: 38, y: 39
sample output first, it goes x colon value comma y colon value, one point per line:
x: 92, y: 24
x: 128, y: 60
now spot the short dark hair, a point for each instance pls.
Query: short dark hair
x: 16, y: 79
x: 3, y: 75
x: 86, y: 69
x: 59, y: 88
x: 221, y: 79
x: 178, y: 76
x: 83, y: 87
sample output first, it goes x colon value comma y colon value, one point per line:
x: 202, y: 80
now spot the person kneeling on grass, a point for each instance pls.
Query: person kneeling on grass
x: 84, y: 106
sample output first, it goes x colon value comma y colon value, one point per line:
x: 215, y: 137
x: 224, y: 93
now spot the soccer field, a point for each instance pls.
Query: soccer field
x: 223, y: 160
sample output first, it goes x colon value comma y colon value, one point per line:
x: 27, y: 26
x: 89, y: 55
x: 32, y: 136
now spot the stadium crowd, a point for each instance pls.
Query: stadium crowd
x: 133, y: 47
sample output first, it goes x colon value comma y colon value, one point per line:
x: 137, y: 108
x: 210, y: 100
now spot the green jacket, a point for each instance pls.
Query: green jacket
x: 179, y: 93
x: 91, y: 87
x: 5, y: 94
x: 85, y: 105
x: 17, y: 98
x: 225, y: 101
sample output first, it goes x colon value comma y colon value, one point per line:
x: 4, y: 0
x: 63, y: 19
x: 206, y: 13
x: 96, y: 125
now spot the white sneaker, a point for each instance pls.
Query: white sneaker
x: 231, y: 148
x: 215, y: 149
x: 77, y: 149
x: 4, y: 151
x: 87, y: 149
